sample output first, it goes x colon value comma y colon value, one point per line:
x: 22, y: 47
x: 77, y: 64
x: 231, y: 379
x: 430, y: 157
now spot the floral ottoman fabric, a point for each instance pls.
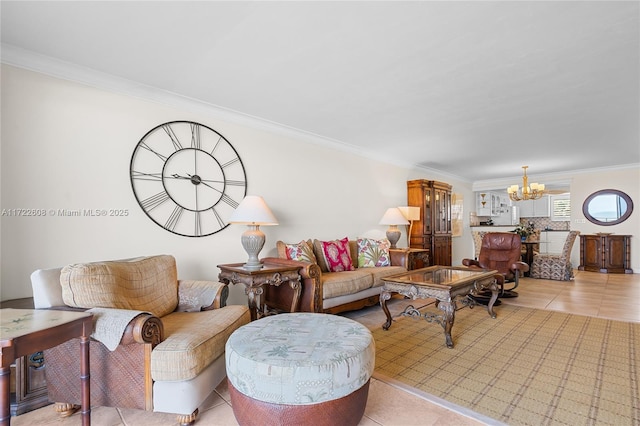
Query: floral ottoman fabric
x: 300, y: 358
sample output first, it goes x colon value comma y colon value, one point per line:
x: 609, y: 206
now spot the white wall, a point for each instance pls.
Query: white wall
x: 585, y: 184
x: 68, y: 146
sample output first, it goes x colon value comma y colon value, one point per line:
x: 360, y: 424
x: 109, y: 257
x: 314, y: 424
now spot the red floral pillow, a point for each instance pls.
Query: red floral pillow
x: 336, y: 255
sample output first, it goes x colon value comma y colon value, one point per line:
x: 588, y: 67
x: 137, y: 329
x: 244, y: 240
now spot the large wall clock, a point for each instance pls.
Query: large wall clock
x: 187, y: 178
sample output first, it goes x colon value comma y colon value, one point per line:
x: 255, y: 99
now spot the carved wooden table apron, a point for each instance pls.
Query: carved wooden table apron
x: 274, y: 275
x: 25, y: 331
x: 443, y: 283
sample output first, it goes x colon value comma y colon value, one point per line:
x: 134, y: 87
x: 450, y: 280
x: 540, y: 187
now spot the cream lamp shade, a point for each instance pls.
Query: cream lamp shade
x: 393, y: 217
x: 253, y: 212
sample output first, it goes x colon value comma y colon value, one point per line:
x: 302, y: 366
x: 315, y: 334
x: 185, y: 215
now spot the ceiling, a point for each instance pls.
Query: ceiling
x: 472, y: 89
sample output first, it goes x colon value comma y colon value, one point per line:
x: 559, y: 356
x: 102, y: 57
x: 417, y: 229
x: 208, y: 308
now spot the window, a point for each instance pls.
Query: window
x: 560, y: 207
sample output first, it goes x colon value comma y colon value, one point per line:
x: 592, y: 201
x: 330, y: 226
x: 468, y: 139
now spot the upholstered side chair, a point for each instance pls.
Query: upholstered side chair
x: 500, y: 251
x: 477, y: 242
x: 555, y: 266
x: 158, y: 342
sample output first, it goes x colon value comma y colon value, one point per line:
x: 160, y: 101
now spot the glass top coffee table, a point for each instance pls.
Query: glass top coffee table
x: 445, y: 284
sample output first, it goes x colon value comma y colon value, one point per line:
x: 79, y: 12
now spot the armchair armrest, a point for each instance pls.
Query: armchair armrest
x: 311, y: 295
x: 471, y: 262
x: 201, y: 295
x: 520, y: 267
x: 144, y: 328
x: 114, y: 327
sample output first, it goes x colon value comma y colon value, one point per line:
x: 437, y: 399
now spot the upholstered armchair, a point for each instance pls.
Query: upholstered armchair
x: 501, y: 251
x: 555, y: 266
x: 158, y: 342
x: 477, y: 242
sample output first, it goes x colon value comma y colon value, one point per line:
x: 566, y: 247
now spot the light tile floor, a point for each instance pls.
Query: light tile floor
x: 610, y: 296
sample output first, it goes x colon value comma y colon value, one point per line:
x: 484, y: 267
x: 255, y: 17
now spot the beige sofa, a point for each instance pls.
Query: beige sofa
x: 158, y: 342
x: 332, y: 292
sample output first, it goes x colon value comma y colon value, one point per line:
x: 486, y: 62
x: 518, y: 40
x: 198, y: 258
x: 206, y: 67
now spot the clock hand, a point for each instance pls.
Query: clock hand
x: 202, y: 182
x: 177, y: 176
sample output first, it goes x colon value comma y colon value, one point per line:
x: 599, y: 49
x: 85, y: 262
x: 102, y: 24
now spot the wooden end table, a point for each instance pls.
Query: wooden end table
x: 273, y: 275
x: 417, y: 258
x: 25, y: 331
x: 443, y: 283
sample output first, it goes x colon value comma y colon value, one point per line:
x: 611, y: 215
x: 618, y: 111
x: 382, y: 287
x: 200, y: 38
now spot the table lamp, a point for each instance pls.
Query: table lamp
x: 393, y: 217
x: 253, y: 212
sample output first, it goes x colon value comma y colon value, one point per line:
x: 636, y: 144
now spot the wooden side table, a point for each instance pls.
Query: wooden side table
x: 274, y: 275
x: 418, y: 258
x: 25, y: 331
x: 29, y: 373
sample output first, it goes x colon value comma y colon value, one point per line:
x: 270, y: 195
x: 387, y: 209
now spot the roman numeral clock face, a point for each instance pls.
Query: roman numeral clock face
x: 187, y: 178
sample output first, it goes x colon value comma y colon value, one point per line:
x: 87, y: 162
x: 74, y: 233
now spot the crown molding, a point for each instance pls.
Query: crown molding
x: 63, y: 70
x: 57, y: 68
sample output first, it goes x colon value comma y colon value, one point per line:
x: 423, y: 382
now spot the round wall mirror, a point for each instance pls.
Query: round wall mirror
x: 607, y: 207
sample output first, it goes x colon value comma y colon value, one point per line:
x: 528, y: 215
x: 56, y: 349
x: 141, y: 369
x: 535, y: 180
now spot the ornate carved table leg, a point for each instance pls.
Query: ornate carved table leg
x: 494, y: 296
x: 252, y: 292
x: 448, y: 310
x: 297, y: 289
x: 384, y: 296
x: 495, y: 285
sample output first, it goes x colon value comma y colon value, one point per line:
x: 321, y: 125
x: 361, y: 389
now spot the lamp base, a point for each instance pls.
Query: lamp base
x: 252, y: 242
x: 250, y: 267
x: 393, y: 235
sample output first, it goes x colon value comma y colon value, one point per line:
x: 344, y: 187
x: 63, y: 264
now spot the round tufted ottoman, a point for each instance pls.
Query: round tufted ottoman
x: 300, y: 368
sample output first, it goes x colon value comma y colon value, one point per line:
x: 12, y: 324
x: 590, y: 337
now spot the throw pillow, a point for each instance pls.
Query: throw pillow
x: 336, y: 255
x: 373, y: 253
x: 301, y: 251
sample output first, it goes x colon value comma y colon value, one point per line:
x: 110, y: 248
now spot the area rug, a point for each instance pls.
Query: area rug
x: 525, y: 367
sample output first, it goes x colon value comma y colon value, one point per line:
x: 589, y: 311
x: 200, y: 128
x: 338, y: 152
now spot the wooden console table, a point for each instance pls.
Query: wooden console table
x: 606, y: 253
x: 26, y: 331
x: 273, y: 275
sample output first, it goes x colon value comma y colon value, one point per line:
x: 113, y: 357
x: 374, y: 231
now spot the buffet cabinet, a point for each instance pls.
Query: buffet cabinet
x: 432, y: 231
x: 609, y: 254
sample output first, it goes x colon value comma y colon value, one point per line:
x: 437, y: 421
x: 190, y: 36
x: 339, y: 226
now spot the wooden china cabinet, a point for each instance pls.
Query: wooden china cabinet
x: 433, y: 230
x: 610, y: 254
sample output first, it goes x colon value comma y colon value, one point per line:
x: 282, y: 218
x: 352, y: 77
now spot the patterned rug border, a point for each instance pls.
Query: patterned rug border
x: 467, y: 411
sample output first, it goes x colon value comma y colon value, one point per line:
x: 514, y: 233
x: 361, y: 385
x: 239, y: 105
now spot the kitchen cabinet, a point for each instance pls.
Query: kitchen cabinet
x: 609, y: 254
x: 491, y: 203
x: 535, y: 208
x: 433, y: 230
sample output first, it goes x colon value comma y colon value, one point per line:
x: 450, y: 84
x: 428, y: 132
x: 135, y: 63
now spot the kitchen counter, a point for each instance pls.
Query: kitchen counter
x: 551, y: 240
x: 495, y: 228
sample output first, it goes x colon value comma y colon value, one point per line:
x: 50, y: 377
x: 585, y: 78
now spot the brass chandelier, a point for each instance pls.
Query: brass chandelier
x: 528, y: 192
